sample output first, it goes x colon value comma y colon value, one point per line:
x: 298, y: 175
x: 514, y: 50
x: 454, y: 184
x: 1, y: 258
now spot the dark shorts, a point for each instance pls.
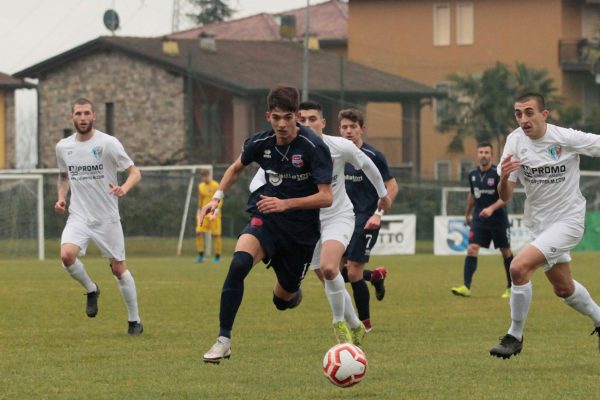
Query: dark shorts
x: 363, y: 240
x: 483, y: 234
x: 289, y: 259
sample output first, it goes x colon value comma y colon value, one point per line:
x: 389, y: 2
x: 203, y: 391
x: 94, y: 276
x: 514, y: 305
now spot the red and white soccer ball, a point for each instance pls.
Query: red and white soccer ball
x: 345, y: 365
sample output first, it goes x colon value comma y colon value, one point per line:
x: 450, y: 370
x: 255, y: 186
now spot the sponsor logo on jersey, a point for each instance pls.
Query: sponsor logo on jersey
x: 555, y: 151
x: 297, y: 160
x: 97, y: 152
x: 267, y: 153
x: 274, y: 178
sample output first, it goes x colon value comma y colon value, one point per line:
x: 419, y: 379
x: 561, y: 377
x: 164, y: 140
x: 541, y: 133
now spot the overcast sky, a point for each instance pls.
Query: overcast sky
x: 34, y: 30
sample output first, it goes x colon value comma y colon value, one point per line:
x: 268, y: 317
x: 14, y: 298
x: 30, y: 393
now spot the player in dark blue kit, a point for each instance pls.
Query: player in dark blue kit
x: 367, y: 216
x: 487, y: 217
x: 284, y: 222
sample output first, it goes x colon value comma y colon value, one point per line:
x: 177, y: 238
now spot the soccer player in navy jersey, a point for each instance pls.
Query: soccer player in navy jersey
x: 368, y: 217
x: 284, y: 218
x: 487, y: 217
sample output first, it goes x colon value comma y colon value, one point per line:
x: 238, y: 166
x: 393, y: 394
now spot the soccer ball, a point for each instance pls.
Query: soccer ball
x: 345, y: 365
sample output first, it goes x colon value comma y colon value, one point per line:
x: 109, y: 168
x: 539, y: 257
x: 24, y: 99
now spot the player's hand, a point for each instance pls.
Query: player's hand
x: 486, y: 213
x: 468, y: 220
x: 60, y: 207
x: 212, y: 216
x: 208, y: 209
x: 384, y: 204
x: 509, y: 165
x: 268, y: 204
x: 374, y: 222
x: 118, y: 191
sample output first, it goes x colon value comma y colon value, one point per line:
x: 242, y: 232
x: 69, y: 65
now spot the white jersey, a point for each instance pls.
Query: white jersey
x: 342, y: 151
x: 550, y: 173
x: 92, y: 165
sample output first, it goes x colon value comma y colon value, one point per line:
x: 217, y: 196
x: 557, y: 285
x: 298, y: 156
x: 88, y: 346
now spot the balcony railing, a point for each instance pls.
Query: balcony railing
x: 572, y: 56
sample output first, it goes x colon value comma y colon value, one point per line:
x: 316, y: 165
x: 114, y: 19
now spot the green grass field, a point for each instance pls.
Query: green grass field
x: 426, y: 343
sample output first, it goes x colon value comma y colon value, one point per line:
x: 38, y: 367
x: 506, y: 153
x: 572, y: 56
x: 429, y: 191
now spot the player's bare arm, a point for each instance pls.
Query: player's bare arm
x: 134, y: 176
x: 60, y: 207
x: 469, y: 209
x: 506, y: 187
x: 323, y: 198
x: 232, y: 174
x: 488, y: 211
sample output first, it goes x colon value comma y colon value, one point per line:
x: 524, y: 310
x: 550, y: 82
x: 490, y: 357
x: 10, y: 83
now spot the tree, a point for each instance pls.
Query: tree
x: 481, y: 105
x: 211, y: 11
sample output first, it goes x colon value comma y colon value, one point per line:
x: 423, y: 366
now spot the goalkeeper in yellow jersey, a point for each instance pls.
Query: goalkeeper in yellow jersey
x: 211, y: 228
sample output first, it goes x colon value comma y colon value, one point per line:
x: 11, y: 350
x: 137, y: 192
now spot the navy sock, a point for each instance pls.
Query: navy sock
x: 344, y: 273
x: 507, y: 262
x: 367, y: 275
x: 233, y: 290
x: 361, y: 298
x: 470, y: 267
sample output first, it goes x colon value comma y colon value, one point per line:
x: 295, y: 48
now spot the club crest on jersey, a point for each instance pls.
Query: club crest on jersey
x: 97, y: 152
x: 490, y: 181
x: 555, y: 151
x: 297, y: 160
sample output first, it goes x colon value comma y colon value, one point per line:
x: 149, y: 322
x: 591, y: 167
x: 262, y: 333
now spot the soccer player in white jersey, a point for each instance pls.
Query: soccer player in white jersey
x: 337, y: 223
x: 545, y: 158
x: 88, y: 162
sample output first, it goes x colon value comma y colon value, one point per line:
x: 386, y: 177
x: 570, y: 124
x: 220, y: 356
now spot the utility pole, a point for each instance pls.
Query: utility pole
x: 306, y: 55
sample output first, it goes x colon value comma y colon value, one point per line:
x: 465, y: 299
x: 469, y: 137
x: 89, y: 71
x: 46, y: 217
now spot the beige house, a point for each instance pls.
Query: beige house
x: 427, y: 40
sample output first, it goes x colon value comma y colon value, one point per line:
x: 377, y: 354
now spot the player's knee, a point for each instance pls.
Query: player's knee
x: 67, y: 258
x: 117, y: 268
x: 240, y: 266
x: 520, y: 271
x: 473, y: 250
x: 563, y: 289
x: 282, y: 304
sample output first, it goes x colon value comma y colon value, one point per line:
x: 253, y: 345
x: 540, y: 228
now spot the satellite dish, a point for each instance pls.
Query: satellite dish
x: 111, y: 20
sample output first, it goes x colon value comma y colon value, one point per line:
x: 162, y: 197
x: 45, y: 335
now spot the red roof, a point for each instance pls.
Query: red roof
x: 328, y: 20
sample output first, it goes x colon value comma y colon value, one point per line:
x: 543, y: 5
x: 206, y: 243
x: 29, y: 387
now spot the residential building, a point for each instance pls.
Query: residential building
x: 8, y: 131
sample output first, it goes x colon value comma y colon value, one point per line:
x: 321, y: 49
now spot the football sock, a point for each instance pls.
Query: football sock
x: 233, y: 290
x: 218, y: 245
x: 77, y: 272
x: 344, y: 272
x: 361, y: 298
x: 507, y: 262
x: 367, y: 275
x: 200, y: 242
x: 470, y: 267
x: 349, y: 313
x: 129, y: 293
x: 520, y: 300
x: 583, y: 302
x: 334, y: 291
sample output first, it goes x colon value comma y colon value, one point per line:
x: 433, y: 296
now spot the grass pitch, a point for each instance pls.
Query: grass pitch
x: 426, y: 343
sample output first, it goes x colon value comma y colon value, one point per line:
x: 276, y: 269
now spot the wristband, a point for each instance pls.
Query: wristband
x: 378, y: 212
x: 219, y: 195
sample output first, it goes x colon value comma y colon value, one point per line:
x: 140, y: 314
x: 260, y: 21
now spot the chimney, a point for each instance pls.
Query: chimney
x: 208, y: 42
x: 287, y: 26
x: 170, y: 47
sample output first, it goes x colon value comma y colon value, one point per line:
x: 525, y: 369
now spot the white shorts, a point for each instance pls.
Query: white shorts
x: 339, y: 228
x: 108, y: 237
x: 556, y: 241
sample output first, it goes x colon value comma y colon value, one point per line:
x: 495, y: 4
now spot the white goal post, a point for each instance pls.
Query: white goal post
x: 9, y: 182
x: 156, y: 180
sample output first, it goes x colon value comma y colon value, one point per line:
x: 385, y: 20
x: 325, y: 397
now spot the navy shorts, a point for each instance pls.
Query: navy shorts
x: 290, y: 260
x: 483, y: 234
x: 363, y: 240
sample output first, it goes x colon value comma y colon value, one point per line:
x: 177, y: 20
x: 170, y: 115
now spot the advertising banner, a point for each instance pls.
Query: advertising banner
x: 397, y: 235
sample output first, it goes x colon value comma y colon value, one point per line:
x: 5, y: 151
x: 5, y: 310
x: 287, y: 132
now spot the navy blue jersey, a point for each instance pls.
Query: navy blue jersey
x: 291, y: 171
x: 484, y: 188
x: 360, y: 190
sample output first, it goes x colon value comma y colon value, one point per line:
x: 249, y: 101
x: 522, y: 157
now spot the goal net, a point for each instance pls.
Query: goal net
x: 22, y: 215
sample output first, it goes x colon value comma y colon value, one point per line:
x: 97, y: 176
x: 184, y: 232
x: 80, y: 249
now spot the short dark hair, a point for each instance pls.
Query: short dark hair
x: 539, y: 99
x: 311, y: 105
x: 283, y: 97
x: 485, y: 144
x: 353, y: 115
x: 81, y: 102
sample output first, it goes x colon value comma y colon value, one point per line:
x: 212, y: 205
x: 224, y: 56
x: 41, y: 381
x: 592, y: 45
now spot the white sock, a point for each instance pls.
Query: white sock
x: 349, y: 312
x: 520, y: 300
x: 334, y: 290
x: 77, y: 272
x: 127, y: 288
x: 583, y: 302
